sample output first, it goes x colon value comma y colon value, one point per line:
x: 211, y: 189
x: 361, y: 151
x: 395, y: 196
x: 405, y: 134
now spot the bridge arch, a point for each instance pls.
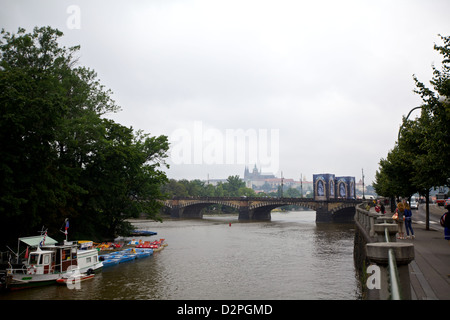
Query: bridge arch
x: 192, y: 207
x: 277, y: 204
x: 343, y: 213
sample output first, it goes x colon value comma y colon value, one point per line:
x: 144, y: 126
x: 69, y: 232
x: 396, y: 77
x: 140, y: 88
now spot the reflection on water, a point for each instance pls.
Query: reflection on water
x: 290, y: 257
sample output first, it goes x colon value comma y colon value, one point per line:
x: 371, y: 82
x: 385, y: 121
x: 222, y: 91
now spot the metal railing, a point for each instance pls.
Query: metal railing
x: 393, y: 272
x: 367, y: 221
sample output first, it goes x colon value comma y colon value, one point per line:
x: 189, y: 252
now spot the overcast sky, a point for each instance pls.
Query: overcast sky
x: 317, y: 86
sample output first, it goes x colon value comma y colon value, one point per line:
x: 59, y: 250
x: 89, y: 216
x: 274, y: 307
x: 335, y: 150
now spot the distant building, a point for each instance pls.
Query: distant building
x: 256, y: 175
x: 264, y: 182
x: 256, y: 178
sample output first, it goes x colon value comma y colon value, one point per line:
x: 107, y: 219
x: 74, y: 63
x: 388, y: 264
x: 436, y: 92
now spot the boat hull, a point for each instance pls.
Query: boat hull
x: 75, y: 279
x: 25, y: 281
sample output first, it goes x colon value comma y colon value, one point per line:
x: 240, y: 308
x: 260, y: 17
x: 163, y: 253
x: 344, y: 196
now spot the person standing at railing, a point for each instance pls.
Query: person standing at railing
x: 379, y: 208
x: 408, y: 222
x: 399, y: 213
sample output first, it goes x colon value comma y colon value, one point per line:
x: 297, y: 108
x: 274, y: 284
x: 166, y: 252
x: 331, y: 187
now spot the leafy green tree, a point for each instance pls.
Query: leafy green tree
x: 396, y: 174
x: 428, y: 137
x: 60, y: 158
x: 434, y: 123
x: 219, y: 190
x: 197, y: 188
x: 174, y: 189
x: 32, y: 73
x: 292, y: 193
x: 247, y: 192
x: 123, y: 179
x: 232, y: 186
x: 421, y: 157
x: 210, y: 190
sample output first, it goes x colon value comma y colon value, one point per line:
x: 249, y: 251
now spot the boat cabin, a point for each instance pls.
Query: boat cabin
x: 52, y: 259
x: 40, y: 262
x: 87, y: 258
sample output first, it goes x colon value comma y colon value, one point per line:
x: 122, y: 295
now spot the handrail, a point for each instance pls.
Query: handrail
x: 367, y: 221
x: 393, y: 276
x: 393, y: 272
x: 386, y: 234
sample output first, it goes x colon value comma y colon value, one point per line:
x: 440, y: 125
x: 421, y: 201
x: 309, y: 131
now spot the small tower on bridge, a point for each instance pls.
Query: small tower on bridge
x: 324, y: 186
x: 329, y: 187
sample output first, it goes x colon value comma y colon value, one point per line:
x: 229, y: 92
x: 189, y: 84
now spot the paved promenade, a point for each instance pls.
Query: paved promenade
x: 430, y: 270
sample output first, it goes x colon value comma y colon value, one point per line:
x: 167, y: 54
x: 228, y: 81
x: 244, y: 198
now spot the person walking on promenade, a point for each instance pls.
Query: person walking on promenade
x: 377, y: 207
x: 445, y: 221
x: 408, y: 222
x: 400, y: 211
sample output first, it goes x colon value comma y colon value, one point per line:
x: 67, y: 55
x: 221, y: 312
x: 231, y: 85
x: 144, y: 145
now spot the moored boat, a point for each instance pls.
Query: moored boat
x: 51, y: 261
x: 134, y: 242
x: 113, y: 258
x: 144, y: 253
x: 156, y: 245
x: 143, y: 233
x: 110, y: 262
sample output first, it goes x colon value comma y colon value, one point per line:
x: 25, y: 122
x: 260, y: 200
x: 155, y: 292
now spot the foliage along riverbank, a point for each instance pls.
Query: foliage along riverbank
x: 61, y: 157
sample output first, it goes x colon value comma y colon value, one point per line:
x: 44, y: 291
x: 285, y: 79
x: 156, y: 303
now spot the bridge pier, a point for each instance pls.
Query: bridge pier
x: 193, y: 212
x: 322, y: 213
x: 331, y: 212
x: 246, y: 214
x: 175, y: 212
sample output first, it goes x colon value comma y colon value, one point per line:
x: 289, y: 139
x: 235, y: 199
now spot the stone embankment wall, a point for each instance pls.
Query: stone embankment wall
x: 380, y: 261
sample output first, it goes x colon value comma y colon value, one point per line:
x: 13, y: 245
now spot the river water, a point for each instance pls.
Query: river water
x: 289, y: 257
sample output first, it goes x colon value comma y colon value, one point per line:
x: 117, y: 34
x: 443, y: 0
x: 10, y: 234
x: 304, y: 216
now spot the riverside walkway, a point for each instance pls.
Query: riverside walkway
x: 430, y: 269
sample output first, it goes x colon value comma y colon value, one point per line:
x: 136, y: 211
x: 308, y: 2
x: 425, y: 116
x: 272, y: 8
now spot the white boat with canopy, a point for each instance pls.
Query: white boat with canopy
x: 49, y: 261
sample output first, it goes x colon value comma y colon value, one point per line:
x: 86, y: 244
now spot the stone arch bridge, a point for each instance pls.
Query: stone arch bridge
x: 336, y: 210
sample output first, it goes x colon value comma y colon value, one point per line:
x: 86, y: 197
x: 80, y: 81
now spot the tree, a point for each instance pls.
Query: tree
x: 174, y: 189
x: 434, y: 121
x: 430, y: 133
x: 247, y: 192
x: 123, y: 179
x: 232, y: 186
x: 32, y: 70
x: 60, y: 158
x: 292, y: 193
x: 421, y: 157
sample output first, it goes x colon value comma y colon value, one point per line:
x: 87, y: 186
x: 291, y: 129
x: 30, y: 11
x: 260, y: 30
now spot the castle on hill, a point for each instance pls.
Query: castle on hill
x: 256, y: 175
x: 259, y: 181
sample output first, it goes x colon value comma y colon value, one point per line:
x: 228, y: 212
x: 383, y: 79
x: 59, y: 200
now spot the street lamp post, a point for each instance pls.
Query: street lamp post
x: 401, y: 127
x: 301, y: 185
x: 364, y: 198
x: 427, y: 201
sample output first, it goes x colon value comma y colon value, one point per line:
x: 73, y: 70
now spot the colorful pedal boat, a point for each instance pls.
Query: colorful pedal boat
x: 110, y: 262
x: 155, y: 245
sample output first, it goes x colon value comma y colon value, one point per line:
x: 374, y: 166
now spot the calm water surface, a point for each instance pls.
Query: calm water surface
x: 290, y: 257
